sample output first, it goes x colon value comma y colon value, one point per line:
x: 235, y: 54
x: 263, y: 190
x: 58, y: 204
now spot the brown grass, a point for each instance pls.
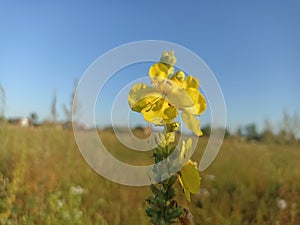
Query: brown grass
x: 249, y: 180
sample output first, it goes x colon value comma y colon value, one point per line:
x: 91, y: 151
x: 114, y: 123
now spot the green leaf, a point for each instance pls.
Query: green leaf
x: 176, y: 213
x: 170, y: 194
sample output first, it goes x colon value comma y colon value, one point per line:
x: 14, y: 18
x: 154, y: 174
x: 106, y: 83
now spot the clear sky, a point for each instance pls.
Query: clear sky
x: 252, y: 47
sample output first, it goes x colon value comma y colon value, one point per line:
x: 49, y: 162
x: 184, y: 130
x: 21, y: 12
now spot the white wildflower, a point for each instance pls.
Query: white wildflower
x: 281, y: 204
x: 59, y: 204
x: 76, y: 190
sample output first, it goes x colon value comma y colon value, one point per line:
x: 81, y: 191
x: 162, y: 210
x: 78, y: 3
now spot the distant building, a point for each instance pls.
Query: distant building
x: 22, y: 122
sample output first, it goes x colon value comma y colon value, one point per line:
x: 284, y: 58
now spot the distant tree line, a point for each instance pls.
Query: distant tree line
x: 286, y: 132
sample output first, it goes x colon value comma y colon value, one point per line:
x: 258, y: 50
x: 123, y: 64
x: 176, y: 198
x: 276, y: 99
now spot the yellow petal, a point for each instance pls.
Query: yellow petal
x: 187, y: 194
x: 182, y: 153
x: 190, y: 177
x: 180, y: 181
x: 142, y: 97
x: 159, y: 70
x: 189, y: 145
x: 185, y: 190
x: 178, y: 96
x: 186, y: 151
x: 191, y: 82
x: 178, y: 78
x: 170, y: 137
x: 191, y: 122
x: 170, y: 111
x: 160, y: 113
x: 202, y: 103
x: 199, y: 103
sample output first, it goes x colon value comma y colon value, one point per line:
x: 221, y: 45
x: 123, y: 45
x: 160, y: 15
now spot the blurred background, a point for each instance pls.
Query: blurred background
x: 253, y: 49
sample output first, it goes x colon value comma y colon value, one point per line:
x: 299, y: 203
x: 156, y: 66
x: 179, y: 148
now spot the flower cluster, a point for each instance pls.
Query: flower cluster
x: 171, y: 92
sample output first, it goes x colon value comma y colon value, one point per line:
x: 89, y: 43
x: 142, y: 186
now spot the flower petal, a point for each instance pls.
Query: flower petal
x: 141, y: 96
x: 191, y: 122
x: 202, y: 103
x: 186, y: 151
x: 199, y: 103
x: 179, y: 97
x: 170, y: 137
x: 159, y: 70
x: 185, y: 189
x: 160, y: 113
x: 190, y: 177
x: 191, y: 82
x: 187, y: 194
x: 178, y: 77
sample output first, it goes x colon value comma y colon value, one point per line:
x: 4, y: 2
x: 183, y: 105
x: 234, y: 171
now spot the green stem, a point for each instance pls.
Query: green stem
x: 162, y: 208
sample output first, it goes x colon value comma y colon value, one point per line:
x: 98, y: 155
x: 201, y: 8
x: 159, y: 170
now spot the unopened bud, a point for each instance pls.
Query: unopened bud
x: 168, y: 58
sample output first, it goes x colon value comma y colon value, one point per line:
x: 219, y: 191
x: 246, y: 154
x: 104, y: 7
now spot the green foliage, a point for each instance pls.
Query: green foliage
x: 162, y: 209
x: 66, y: 207
x: 4, y: 205
x: 39, y: 174
x: 33, y: 118
x: 251, y: 132
x: 287, y: 133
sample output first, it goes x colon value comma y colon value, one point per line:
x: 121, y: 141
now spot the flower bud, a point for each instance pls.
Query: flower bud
x: 168, y: 58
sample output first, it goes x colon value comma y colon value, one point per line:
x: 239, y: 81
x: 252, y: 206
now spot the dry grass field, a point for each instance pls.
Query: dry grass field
x: 44, y: 180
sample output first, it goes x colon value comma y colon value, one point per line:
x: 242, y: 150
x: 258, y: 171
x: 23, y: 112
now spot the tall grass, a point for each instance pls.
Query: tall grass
x: 45, y: 180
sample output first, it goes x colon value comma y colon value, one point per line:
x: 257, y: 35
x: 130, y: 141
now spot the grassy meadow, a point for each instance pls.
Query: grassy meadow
x: 44, y: 180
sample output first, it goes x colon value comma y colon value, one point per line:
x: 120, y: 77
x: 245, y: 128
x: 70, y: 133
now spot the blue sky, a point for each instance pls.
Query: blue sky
x: 253, y: 48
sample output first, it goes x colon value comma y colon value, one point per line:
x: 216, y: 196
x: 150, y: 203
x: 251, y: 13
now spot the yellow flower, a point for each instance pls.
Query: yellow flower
x: 152, y: 104
x: 159, y: 70
x: 169, y: 93
x: 188, y: 177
